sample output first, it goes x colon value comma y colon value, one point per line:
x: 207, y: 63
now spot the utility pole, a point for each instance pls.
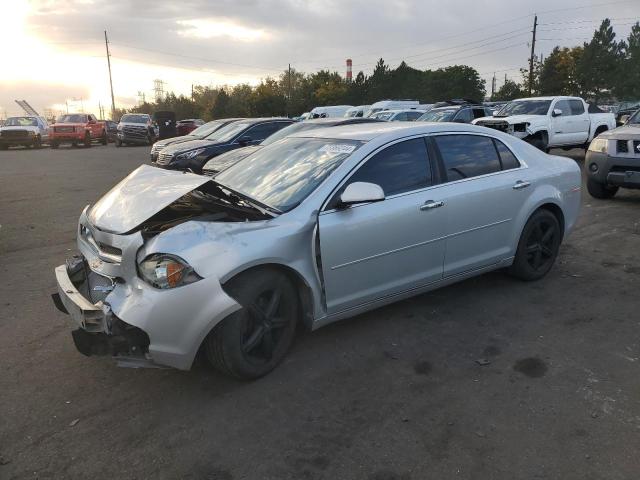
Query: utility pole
x: 113, y: 102
x: 533, y: 52
x: 289, y: 94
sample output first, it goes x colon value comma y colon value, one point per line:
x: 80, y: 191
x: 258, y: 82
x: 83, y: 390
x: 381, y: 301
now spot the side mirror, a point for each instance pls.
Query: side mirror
x: 91, y: 121
x: 556, y: 112
x: 624, y: 119
x: 361, y: 192
x: 244, y: 140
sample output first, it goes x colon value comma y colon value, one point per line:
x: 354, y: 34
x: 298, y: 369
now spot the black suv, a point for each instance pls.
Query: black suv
x: 459, y: 111
x: 194, y: 154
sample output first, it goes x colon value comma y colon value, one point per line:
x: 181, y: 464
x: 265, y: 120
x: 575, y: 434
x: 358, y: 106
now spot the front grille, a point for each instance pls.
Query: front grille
x: 157, y: 146
x: 106, y: 252
x: 502, y: 126
x: 15, y: 134
x: 622, y: 146
x: 164, y: 158
x: 134, y: 132
x: 63, y: 129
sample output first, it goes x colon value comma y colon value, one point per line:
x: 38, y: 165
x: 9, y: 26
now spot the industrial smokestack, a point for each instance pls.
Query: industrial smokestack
x: 349, y: 72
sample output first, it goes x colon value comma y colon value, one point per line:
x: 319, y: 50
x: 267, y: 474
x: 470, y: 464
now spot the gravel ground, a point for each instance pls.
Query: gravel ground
x: 393, y: 394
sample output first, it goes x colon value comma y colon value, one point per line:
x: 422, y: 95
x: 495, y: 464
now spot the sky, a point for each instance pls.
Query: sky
x: 52, y: 52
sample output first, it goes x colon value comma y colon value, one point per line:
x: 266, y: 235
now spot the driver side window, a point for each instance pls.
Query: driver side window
x: 401, y: 167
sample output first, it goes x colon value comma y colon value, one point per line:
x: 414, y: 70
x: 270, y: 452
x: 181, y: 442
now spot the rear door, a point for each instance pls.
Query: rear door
x: 373, y: 250
x: 485, y: 189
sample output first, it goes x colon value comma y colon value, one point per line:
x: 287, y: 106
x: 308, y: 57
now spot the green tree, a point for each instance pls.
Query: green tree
x: 220, y: 108
x: 558, y: 73
x: 600, y: 62
x: 627, y: 84
x: 508, y: 91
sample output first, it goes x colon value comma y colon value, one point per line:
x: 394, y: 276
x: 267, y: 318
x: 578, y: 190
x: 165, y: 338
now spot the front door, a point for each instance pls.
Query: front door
x: 374, y: 250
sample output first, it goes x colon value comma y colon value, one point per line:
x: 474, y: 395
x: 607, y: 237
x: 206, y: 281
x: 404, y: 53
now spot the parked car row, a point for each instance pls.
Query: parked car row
x: 320, y: 221
x: 85, y: 129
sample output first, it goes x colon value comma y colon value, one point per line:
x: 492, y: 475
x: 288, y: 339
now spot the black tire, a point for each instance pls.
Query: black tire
x: 87, y: 140
x: 252, y: 341
x: 37, y: 142
x: 4, y: 147
x: 53, y: 144
x: 538, y: 246
x: 600, y: 190
x: 104, y: 140
x: 118, y: 142
x: 540, y: 141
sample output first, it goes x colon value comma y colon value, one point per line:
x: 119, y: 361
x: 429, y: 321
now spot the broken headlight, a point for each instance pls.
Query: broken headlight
x: 166, y: 271
x: 189, y: 155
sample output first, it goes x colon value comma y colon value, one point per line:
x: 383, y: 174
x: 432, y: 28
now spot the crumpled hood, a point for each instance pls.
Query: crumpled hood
x: 189, y: 145
x: 626, y: 132
x: 142, y: 194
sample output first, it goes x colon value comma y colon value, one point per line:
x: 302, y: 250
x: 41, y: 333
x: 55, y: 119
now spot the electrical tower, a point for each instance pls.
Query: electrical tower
x: 158, y: 89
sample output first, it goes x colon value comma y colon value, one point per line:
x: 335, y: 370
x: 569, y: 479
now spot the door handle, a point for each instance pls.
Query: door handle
x: 520, y: 185
x: 429, y: 204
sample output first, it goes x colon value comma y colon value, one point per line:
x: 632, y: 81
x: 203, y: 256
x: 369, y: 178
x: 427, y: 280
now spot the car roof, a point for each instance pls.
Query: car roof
x: 368, y: 131
x: 552, y: 97
x: 250, y: 121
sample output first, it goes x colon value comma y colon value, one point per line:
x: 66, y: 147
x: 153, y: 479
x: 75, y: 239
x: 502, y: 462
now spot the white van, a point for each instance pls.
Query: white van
x: 329, y: 112
x: 392, y: 105
x: 356, y: 112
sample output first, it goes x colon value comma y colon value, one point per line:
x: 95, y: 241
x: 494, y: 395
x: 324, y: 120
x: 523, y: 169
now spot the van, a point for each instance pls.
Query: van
x: 356, y: 112
x: 329, y: 112
x: 392, y: 105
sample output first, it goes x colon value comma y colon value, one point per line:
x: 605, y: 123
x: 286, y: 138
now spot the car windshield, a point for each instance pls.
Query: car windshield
x: 525, y: 107
x: 437, y: 115
x: 134, y: 118
x: 72, y: 118
x: 228, y: 132
x: 285, y: 173
x: 207, y: 129
x: 21, y: 122
x: 383, y: 115
x: 294, y: 128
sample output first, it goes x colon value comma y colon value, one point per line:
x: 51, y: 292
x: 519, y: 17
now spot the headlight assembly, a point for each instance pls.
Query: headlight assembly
x: 189, y: 155
x: 166, y: 271
x: 598, y: 145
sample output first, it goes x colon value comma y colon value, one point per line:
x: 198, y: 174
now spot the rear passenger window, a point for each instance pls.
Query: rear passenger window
x: 464, y: 116
x: 466, y: 156
x: 508, y: 159
x: 577, y: 107
x: 399, y: 168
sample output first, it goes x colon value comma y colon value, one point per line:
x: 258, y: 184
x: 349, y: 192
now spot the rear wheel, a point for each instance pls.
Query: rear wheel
x: 538, y: 246
x: 53, y: 144
x: 37, y: 142
x: 87, y: 140
x: 3, y: 146
x: 104, y: 140
x: 600, y: 190
x: 252, y: 341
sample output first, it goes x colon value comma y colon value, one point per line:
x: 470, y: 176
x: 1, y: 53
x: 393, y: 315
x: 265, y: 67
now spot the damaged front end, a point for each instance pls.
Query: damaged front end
x: 116, y: 309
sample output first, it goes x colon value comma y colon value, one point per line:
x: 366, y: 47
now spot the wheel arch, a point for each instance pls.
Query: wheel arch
x: 305, y: 293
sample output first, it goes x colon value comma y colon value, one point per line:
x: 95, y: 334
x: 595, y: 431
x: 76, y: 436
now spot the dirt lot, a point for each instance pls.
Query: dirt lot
x: 393, y: 394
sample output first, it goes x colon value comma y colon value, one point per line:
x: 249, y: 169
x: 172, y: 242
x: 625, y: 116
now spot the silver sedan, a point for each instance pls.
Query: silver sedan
x: 314, y: 228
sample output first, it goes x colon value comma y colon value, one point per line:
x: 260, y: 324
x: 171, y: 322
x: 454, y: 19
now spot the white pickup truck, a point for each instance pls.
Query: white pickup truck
x: 550, y: 122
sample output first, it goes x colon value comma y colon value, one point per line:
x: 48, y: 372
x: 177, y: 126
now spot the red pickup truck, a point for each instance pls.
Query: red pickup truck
x: 75, y: 128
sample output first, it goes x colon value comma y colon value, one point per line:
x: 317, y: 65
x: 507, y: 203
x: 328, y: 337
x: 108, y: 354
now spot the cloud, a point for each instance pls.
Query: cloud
x: 212, y: 28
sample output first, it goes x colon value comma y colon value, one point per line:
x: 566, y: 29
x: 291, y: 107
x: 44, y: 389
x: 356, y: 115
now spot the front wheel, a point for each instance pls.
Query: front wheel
x: 53, y: 144
x: 118, y: 142
x: 104, y: 140
x: 87, y: 140
x: 600, y: 190
x: 538, y: 246
x: 252, y: 341
x: 37, y: 143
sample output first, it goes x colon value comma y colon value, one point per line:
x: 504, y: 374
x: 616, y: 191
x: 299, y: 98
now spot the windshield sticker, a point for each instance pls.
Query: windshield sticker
x: 337, y: 149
